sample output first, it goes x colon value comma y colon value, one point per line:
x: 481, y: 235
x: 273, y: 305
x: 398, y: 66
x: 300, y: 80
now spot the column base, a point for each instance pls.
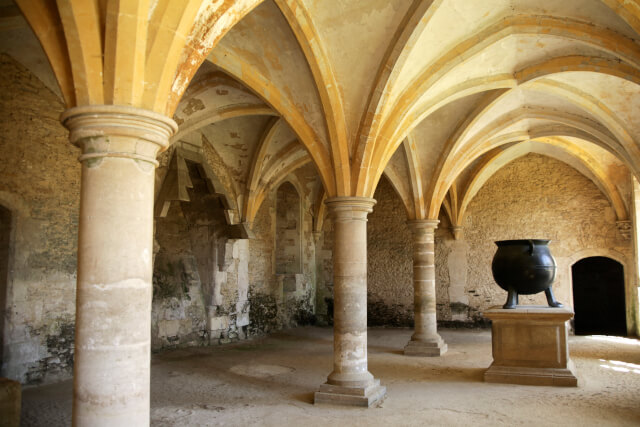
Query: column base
x: 350, y: 396
x: 532, y: 376
x: 429, y: 348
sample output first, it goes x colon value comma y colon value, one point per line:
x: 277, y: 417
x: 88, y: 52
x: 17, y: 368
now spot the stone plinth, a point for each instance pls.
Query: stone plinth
x: 434, y: 347
x: 530, y: 346
x: 350, y: 396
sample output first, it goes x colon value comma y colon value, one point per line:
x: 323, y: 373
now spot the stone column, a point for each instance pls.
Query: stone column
x: 115, y: 249
x: 350, y: 383
x: 425, y: 341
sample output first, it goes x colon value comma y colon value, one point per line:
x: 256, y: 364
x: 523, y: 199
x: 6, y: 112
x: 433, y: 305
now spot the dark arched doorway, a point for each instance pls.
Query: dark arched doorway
x: 5, y: 232
x: 598, y: 297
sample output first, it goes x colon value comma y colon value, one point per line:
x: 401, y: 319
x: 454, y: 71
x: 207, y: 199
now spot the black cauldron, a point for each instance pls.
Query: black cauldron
x: 524, y: 267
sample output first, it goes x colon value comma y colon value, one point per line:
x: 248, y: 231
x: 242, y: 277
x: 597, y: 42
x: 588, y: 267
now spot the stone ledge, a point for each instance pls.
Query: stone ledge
x: 539, y: 312
x: 350, y: 396
x: 532, y: 376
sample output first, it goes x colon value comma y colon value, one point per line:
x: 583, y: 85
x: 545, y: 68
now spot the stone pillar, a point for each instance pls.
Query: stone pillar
x: 425, y: 341
x: 115, y: 249
x: 350, y: 383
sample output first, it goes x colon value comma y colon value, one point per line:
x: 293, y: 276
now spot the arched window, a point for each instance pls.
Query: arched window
x: 5, y: 233
x: 598, y: 296
x: 288, y: 230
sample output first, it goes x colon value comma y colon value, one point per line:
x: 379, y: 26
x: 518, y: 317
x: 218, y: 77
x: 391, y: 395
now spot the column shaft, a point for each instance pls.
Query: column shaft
x: 350, y: 296
x: 350, y: 382
x: 425, y: 341
x: 114, y: 290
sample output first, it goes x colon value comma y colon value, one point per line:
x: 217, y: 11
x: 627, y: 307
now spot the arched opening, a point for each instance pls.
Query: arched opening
x: 5, y: 232
x: 598, y: 297
x: 288, y: 230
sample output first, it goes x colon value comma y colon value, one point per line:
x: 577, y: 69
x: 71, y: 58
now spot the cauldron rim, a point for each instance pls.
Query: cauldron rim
x: 501, y: 243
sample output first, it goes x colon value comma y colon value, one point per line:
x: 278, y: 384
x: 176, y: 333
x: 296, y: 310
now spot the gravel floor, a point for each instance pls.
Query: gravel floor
x: 270, y: 381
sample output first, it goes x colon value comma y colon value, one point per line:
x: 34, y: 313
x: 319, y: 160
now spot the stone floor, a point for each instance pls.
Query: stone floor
x: 270, y: 381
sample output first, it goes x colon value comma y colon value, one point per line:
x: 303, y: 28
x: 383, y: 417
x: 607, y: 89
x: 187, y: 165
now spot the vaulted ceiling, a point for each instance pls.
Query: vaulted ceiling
x: 436, y: 94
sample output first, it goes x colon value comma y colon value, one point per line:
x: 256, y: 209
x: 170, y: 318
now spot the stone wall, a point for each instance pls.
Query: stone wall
x: 324, y: 274
x: 210, y: 288
x: 40, y: 186
x: 287, y: 230
x: 185, y: 267
x: 532, y: 197
x: 280, y: 300
x: 389, y: 264
x: 389, y: 261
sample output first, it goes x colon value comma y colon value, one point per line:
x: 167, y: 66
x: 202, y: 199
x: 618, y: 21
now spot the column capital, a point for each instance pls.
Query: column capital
x: 337, y: 205
x: 118, y: 131
x: 419, y: 226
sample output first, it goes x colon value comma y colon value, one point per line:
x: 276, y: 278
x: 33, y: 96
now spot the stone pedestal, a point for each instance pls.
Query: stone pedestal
x: 115, y: 249
x: 425, y: 340
x: 350, y: 383
x: 530, y: 346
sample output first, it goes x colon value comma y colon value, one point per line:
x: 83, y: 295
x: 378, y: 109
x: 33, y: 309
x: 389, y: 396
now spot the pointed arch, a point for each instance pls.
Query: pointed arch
x: 135, y: 52
x: 283, y: 104
x: 301, y: 23
x: 395, y: 181
x: 501, y: 157
x: 491, y: 137
x: 223, y: 113
x: 274, y: 174
x: 413, y: 25
x: 628, y: 10
x: 572, y: 30
x: 415, y: 172
x: 257, y: 163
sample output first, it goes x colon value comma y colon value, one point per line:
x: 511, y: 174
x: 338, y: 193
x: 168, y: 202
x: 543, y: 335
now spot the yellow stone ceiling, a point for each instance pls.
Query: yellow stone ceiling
x: 437, y: 95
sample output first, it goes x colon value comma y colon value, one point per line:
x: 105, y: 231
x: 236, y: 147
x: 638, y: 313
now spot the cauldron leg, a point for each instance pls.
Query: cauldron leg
x: 551, y: 299
x: 512, y: 299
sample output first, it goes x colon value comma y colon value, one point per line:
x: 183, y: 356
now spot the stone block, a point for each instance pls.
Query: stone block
x: 243, y: 319
x: 289, y: 283
x: 218, y: 323
x: 434, y: 348
x: 168, y: 328
x: 350, y: 396
x: 235, y: 251
x: 243, y: 250
x: 186, y: 326
x: 530, y: 346
x: 243, y: 279
x: 10, y: 402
